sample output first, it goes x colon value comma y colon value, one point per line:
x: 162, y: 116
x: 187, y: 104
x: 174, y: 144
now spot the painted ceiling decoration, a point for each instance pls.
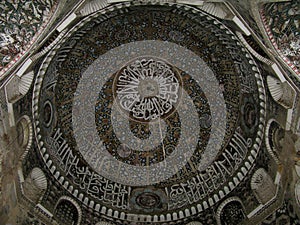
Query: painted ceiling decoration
x: 282, y: 23
x: 147, y: 112
x: 20, y: 25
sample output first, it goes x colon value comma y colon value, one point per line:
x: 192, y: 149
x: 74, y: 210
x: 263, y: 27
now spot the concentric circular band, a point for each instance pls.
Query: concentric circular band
x: 140, y: 175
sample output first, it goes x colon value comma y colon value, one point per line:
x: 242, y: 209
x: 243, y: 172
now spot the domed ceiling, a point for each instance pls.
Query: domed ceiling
x: 142, y: 103
x: 144, y: 113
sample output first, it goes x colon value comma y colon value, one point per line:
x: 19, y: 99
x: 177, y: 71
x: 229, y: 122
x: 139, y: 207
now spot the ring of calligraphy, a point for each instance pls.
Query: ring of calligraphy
x: 187, y: 113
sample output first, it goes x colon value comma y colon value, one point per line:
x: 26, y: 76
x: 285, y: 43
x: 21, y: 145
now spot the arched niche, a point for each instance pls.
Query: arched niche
x: 263, y: 186
x: 67, y: 211
x: 93, y: 6
x: 216, y: 9
x: 282, y: 93
x: 230, y: 212
x: 35, y: 185
x: 273, y: 136
x: 18, y: 86
x: 24, y: 131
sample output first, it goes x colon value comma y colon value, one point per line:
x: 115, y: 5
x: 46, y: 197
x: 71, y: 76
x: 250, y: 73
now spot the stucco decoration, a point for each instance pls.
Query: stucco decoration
x: 282, y: 22
x: 263, y: 186
x: 35, y: 185
x: 281, y: 92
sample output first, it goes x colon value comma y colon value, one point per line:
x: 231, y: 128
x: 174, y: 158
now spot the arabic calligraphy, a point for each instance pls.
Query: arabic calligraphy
x: 148, y: 88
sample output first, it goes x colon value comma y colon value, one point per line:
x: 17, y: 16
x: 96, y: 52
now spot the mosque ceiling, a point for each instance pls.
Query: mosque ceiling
x: 146, y: 112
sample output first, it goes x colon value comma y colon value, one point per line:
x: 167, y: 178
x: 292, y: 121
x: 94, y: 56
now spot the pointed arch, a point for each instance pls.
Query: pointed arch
x: 67, y: 211
x: 224, y: 212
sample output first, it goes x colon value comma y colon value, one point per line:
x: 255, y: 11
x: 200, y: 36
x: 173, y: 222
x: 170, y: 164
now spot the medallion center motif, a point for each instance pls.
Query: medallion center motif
x: 147, y: 88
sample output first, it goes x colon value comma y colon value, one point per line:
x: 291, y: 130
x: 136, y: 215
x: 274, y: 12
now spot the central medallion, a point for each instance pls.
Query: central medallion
x: 147, y: 88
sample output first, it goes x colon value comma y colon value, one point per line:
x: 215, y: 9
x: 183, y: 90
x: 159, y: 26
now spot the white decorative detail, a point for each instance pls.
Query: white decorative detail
x: 18, y: 86
x: 46, y: 211
x: 12, y: 89
x: 263, y: 186
x: 191, y: 2
x: 46, y: 49
x: 39, y: 179
x: 25, y: 82
x: 194, y: 223
x: 268, y: 141
x: 289, y: 118
x: 30, y: 136
x: 281, y: 92
x: 147, y: 88
x: 24, y: 67
x: 66, y: 22
x: 256, y: 210
x: 117, y: 1
x: 241, y: 25
x: 93, y: 6
x: 275, y: 88
x: 6, y: 38
x: 252, y: 51
x: 278, y: 72
x: 20, y: 175
x: 277, y: 179
x: 214, y: 9
x: 34, y: 185
x: 11, y: 117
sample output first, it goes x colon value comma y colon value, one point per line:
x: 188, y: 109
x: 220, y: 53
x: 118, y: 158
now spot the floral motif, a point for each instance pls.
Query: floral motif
x: 290, y: 47
x: 20, y: 21
x: 283, y: 19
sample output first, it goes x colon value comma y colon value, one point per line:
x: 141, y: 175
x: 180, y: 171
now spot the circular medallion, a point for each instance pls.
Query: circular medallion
x: 147, y: 89
x: 147, y: 200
